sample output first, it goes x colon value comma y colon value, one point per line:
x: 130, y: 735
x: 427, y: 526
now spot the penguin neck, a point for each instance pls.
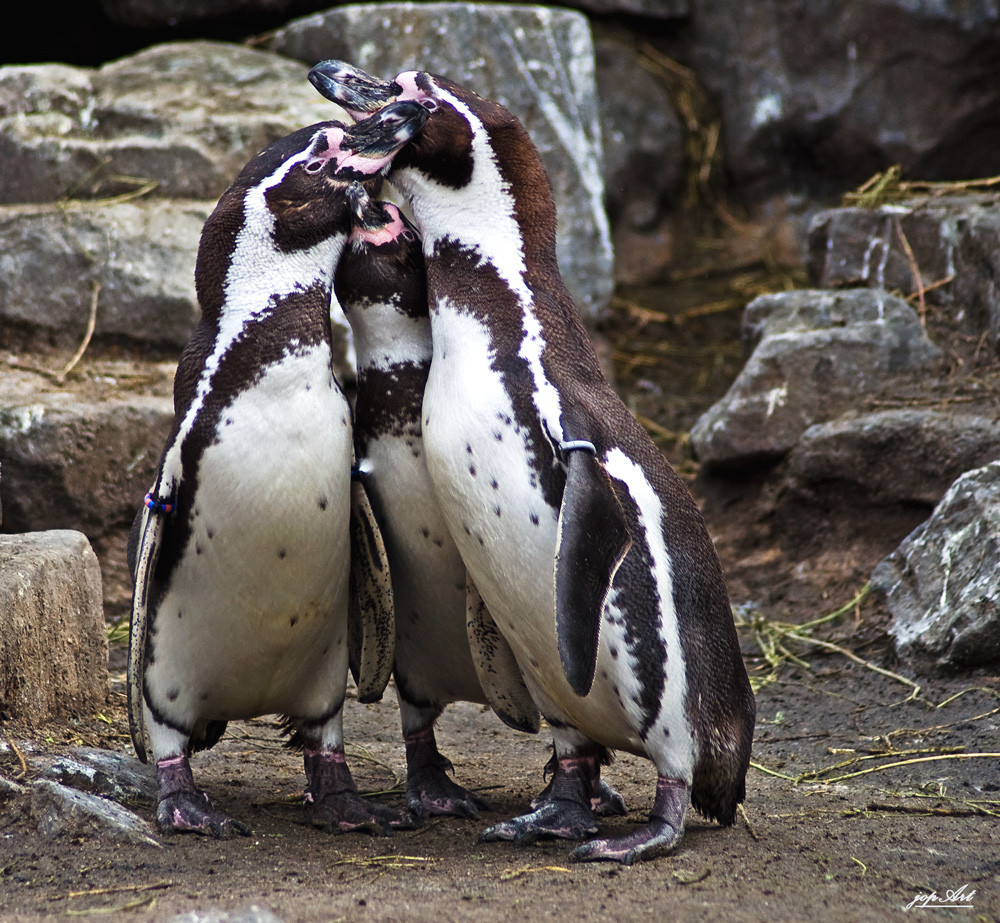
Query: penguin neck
x: 385, y: 336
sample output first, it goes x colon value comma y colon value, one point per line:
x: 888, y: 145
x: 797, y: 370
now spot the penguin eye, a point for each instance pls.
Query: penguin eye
x: 313, y: 166
x: 408, y: 235
x: 430, y: 105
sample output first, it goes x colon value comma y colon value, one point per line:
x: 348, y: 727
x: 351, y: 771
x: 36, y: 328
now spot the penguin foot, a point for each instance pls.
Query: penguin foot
x: 334, y: 804
x: 656, y: 838
x: 429, y: 790
x: 567, y: 820
x: 184, y: 808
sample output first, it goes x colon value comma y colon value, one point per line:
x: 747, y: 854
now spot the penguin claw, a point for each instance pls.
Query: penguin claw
x: 566, y: 820
x: 657, y: 838
x: 430, y: 791
x: 191, y: 812
x: 347, y: 812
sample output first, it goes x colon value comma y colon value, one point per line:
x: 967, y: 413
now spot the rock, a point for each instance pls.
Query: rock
x: 117, y: 776
x: 816, y: 354
x: 642, y: 138
x: 537, y: 61
x: 815, y: 97
x: 891, y: 456
x: 181, y: 119
x: 152, y: 14
x: 60, y: 811
x: 942, y: 585
x: 253, y: 914
x: 138, y: 257
x: 54, y: 651
x: 954, y: 238
x: 10, y: 789
x: 82, y: 456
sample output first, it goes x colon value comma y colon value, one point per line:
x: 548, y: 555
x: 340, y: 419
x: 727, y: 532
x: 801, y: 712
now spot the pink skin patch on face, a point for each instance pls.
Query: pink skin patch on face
x: 386, y: 233
x: 346, y: 158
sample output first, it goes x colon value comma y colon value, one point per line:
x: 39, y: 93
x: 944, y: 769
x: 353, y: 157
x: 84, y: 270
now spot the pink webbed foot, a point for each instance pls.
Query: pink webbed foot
x: 334, y: 804
x: 565, y: 809
x: 656, y: 838
x: 429, y: 789
x: 184, y: 808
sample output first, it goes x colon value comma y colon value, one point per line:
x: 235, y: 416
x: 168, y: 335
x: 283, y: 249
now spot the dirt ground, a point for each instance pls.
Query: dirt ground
x: 866, y: 790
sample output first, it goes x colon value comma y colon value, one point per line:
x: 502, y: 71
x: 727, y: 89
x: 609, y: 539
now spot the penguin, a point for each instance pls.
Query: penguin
x: 240, y: 553
x: 380, y: 285
x: 587, y: 548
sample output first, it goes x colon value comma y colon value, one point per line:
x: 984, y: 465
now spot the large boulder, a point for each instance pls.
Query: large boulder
x: 135, y: 258
x: 898, y: 455
x: 942, y: 585
x: 816, y: 97
x: 816, y: 354
x: 179, y: 119
x: 53, y: 644
x: 945, y: 249
x: 537, y: 61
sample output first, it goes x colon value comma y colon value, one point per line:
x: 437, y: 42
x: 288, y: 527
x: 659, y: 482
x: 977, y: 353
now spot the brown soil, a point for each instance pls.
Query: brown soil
x: 865, y: 791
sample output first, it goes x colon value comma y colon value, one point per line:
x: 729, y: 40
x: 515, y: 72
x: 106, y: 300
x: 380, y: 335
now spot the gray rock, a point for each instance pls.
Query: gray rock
x: 817, y: 354
x: 10, y: 789
x: 954, y: 238
x: 253, y: 914
x: 536, y: 61
x: 642, y: 137
x: 139, y: 256
x: 117, y: 776
x: 183, y: 117
x: 891, y: 456
x: 942, y: 585
x: 817, y: 97
x: 60, y: 811
x: 54, y: 656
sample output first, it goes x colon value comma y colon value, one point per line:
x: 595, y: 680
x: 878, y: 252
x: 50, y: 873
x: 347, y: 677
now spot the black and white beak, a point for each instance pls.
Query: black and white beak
x: 358, y: 92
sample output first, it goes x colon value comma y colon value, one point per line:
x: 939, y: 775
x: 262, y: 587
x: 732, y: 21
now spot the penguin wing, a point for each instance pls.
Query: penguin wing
x: 592, y: 539
x: 496, y: 667
x: 371, y: 616
x: 144, y: 551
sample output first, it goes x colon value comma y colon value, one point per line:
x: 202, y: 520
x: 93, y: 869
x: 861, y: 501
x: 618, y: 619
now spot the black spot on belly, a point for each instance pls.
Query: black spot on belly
x: 534, y: 519
x: 229, y: 421
x: 203, y: 697
x: 180, y: 614
x: 210, y: 533
x: 613, y: 651
x: 439, y: 543
x: 292, y: 621
x: 496, y: 510
x: 468, y: 531
x: 495, y: 485
x: 197, y: 548
x: 325, y: 649
x: 472, y: 470
x: 322, y: 503
x: 282, y: 553
x: 468, y: 448
x: 666, y: 732
x: 425, y: 532
x: 498, y: 436
x: 173, y: 694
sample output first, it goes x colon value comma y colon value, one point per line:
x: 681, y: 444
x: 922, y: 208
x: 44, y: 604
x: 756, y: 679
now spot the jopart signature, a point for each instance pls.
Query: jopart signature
x: 957, y: 899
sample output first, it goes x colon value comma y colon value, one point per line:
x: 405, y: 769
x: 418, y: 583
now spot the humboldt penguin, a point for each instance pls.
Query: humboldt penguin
x: 240, y: 553
x: 380, y: 285
x: 588, y: 550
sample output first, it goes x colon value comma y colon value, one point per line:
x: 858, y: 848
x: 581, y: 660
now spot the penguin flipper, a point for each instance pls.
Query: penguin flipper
x: 144, y: 551
x: 496, y: 667
x: 371, y: 617
x: 592, y: 539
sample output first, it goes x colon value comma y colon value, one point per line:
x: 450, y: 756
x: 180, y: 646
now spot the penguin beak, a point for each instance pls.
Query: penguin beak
x: 352, y: 89
x: 369, y: 146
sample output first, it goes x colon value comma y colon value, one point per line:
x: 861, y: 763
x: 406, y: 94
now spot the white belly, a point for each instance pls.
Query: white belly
x: 506, y: 532
x: 432, y: 655
x: 254, y: 620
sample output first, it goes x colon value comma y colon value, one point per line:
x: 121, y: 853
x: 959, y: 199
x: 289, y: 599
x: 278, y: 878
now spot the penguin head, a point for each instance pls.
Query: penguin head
x: 382, y: 264
x: 358, y: 92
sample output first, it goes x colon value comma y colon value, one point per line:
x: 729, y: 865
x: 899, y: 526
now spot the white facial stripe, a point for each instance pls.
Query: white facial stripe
x: 258, y: 275
x: 481, y: 217
x: 680, y: 749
